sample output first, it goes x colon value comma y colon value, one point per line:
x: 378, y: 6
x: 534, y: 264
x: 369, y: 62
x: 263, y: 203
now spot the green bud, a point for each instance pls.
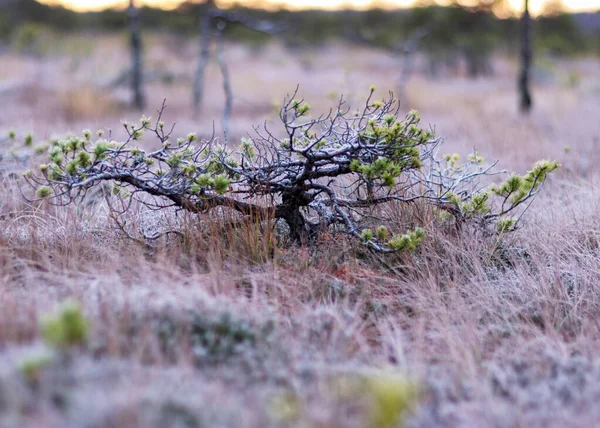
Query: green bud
x: 382, y: 233
x: 221, y: 184
x: 100, y: 149
x: 303, y: 109
x: 137, y: 134
x: 145, y: 121
x: 72, y: 167
x: 504, y: 225
x: 204, y: 180
x: 84, y: 158
x: 43, y: 192
x: 195, y: 189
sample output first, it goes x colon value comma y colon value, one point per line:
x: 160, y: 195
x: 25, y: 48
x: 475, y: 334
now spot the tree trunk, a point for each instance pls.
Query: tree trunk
x: 205, y: 37
x: 226, y: 81
x: 296, y: 223
x: 526, y: 55
x: 472, y: 62
x: 408, y: 52
x: 289, y: 211
x: 139, y: 100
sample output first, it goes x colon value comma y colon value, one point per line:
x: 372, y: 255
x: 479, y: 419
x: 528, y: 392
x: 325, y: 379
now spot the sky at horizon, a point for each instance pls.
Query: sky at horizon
x: 536, y: 6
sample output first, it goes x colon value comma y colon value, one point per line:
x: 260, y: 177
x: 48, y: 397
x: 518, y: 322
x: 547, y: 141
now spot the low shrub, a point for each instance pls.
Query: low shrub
x: 329, y: 173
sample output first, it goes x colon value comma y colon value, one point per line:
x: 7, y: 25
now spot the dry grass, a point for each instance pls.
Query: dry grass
x: 226, y: 328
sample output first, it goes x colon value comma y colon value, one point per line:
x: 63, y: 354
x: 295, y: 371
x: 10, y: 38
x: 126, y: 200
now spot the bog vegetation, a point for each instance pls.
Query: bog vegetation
x: 331, y: 268
x: 326, y: 175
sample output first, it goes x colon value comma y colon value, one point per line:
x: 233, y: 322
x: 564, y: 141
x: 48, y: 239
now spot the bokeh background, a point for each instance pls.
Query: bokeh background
x: 66, y: 65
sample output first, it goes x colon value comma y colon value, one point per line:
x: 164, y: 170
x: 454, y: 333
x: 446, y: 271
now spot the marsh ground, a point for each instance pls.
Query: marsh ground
x: 222, y: 331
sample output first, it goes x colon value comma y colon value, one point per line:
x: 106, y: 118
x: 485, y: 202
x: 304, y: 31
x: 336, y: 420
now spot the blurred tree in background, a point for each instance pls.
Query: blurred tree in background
x: 526, y: 57
x: 472, y: 32
x: 457, y: 35
x: 137, y: 67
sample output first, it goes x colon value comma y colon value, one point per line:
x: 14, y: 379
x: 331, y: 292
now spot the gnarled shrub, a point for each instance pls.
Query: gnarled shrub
x: 318, y: 173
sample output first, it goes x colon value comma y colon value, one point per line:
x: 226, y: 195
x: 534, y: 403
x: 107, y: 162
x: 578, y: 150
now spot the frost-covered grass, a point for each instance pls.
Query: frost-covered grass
x: 225, y: 328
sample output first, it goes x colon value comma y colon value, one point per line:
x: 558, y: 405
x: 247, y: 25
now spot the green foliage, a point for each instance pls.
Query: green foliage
x: 559, y: 34
x: 402, y: 139
x: 286, y: 407
x: 66, y: 328
x: 44, y: 192
x: 221, y: 184
x: 505, y: 225
x: 32, y: 367
x: 40, y: 150
x: 63, y: 330
x: 367, y: 234
x: 392, y: 397
x: 247, y: 149
x: 28, y: 38
x: 35, y: 38
x: 382, y: 233
x: 84, y: 159
x: 72, y: 167
x: 516, y: 188
x: 28, y: 141
x: 477, y: 205
x: 408, y: 241
x: 495, y: 203
x: 100, y: 149
x: 56, y: 155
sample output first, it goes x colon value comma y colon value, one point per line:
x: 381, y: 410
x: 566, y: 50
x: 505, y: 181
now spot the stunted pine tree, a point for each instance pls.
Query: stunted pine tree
x: 330, y: 173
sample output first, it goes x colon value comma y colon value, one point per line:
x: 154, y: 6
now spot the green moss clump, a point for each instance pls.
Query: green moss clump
x: 68, y: 327
x: 28, y: 141
x: 392, y: 397
x: 32, y: 367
